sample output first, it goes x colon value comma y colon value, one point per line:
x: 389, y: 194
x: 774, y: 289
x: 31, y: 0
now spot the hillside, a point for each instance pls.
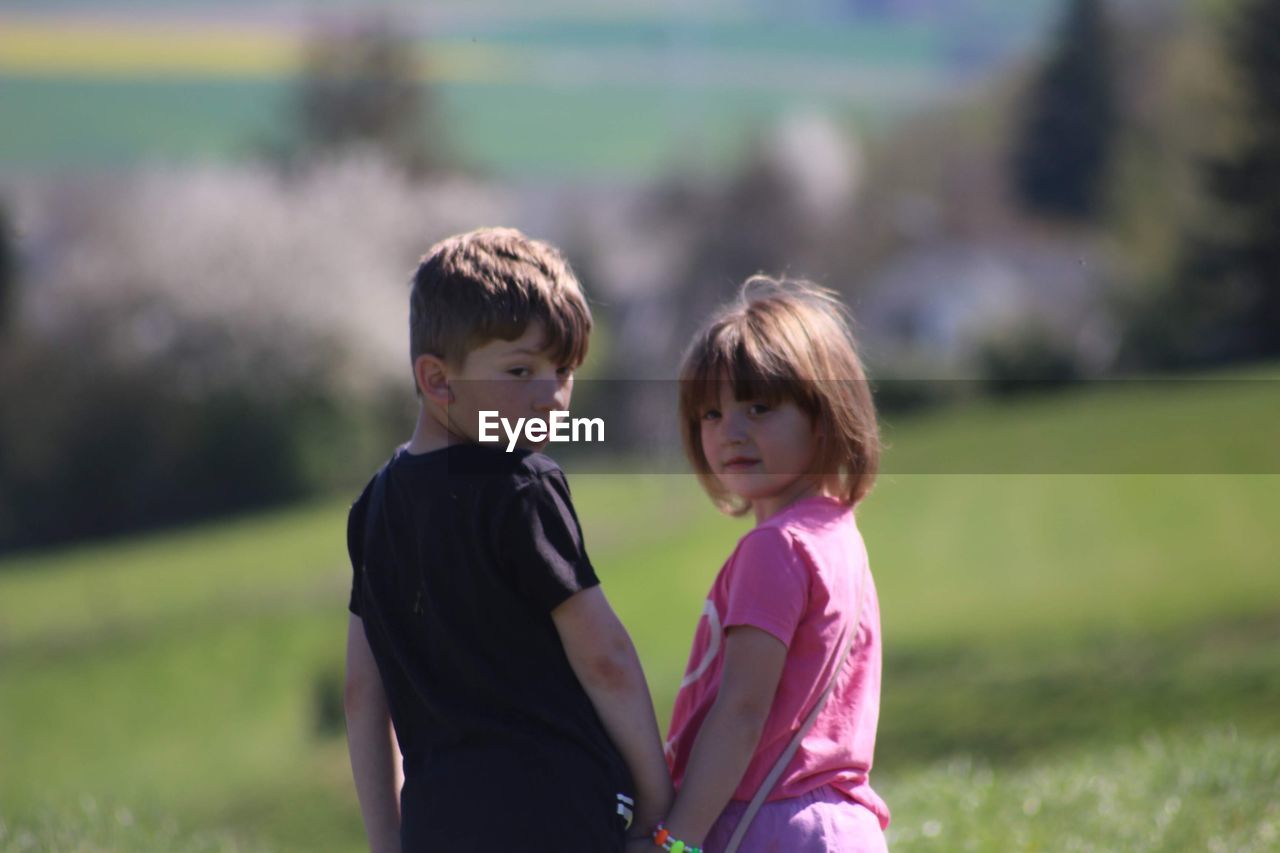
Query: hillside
x: 1045, y: 634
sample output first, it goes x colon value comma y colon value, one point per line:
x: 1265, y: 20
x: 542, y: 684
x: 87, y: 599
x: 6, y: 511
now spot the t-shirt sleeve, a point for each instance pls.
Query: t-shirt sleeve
x: 769, y: 587
x: 355, y: 549
x: 541, y: 543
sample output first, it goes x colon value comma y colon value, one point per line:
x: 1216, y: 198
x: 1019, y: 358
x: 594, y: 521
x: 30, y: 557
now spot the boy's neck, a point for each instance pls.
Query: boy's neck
x: 429, y: 434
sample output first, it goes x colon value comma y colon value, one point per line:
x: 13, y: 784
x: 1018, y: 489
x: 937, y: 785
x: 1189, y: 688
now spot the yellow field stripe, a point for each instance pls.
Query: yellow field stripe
x: 80, y: 50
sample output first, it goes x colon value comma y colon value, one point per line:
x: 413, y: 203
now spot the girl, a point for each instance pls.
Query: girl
x: 774, y: 726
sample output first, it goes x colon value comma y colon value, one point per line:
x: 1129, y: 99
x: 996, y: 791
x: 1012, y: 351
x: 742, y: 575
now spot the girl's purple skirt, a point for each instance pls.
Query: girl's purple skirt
x: 821, y: 821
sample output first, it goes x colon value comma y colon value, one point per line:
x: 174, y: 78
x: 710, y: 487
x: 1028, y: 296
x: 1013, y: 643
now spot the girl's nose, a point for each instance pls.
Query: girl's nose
x: 734, y: 430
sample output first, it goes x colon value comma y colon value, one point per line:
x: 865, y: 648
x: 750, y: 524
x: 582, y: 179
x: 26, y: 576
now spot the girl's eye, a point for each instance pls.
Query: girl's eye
x: 711, y: 415
x: 757, y: 408
x: 519, y: 372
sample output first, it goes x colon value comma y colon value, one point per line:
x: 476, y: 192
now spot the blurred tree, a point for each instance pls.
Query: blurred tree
x: 781, y: 212
x: 362, y: 86
x: 1070, y: 119
x: 1235, y: 262
x: 8, y: 267
x: 751, y: 223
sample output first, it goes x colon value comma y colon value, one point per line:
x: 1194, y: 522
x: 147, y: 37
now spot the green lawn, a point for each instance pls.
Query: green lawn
x: 1071, y: 659
x: 1213, y: 790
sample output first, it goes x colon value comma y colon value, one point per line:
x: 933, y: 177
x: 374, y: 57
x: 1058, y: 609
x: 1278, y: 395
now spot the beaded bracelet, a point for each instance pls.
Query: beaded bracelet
x: 663, y: 839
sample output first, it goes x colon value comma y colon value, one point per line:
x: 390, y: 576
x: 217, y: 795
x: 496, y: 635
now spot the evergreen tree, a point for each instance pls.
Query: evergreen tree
x: 1070, y: 120
x: 1239, y: 261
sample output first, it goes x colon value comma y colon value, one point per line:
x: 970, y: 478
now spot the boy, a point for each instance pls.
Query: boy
x: 477, y: 623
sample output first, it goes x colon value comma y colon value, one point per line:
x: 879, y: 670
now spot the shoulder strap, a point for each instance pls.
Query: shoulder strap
x: 787, y: 754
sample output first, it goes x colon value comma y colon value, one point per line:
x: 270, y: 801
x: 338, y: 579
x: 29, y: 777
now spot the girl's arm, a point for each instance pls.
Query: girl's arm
x: 371, y: 744
x: 605, y: 662
x: 753, y: 662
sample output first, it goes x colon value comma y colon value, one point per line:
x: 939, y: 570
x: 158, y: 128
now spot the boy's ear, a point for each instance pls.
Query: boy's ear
x: 432, y: 376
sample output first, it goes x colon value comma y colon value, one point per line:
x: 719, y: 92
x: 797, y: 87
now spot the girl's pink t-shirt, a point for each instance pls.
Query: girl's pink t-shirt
x: 795, y: 576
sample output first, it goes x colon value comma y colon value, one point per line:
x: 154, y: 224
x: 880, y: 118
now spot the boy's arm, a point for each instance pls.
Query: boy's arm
x: 753, y: 662
x: 371, y: 743
x: 605, y: 661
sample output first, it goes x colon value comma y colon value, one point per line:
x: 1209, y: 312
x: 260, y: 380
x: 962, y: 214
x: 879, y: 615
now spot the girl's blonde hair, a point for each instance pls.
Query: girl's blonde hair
x: 785, y: 339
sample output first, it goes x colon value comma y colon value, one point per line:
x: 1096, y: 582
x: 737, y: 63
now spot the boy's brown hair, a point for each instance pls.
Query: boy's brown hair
x: 490, y: 284
x: 785, y: 340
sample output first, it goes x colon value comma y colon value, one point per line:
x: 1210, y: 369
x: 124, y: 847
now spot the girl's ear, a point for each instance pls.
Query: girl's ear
x: 432, y: 375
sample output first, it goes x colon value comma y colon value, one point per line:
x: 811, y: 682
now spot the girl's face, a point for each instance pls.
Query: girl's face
x: 760, y: 452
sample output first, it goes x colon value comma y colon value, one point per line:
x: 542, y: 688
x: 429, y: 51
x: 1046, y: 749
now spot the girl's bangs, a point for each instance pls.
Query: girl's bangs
x: 726, y: 356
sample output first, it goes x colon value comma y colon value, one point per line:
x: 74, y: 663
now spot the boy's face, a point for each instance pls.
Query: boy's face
x: 517, y: 379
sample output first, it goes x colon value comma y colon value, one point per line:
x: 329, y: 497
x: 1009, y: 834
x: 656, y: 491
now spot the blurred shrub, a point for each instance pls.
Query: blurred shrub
x: 912, y: 396
x: 1026, y: 359
x: 329, y: 719
x: 93, y: 449
x: 202, y: 343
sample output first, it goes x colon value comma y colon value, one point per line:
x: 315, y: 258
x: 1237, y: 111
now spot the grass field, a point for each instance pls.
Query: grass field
x: 1080, y: 661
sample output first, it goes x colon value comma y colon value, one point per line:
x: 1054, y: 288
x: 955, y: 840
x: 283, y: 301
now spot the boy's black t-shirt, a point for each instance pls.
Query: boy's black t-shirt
x: 459, y: 557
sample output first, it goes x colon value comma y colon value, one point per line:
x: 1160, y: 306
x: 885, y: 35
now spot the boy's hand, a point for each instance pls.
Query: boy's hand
x: 604, y: 660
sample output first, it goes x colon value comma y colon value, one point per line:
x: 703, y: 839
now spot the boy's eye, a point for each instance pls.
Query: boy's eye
x: 564, y: 372
x: 518, y: 372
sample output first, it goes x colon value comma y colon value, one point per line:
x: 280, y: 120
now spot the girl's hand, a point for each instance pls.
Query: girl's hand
x: 753, y: 664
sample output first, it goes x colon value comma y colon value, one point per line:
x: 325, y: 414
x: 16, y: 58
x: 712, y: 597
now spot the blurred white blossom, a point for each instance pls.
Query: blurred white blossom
x: 289, y: 266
